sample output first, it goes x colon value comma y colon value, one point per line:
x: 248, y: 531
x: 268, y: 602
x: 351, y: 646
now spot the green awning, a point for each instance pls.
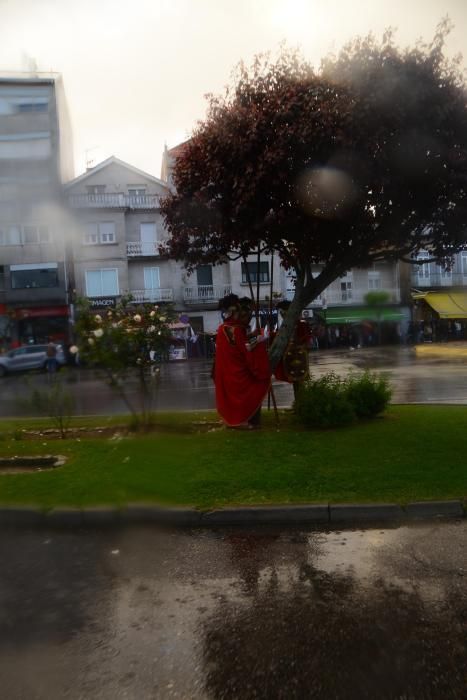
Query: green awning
x: 341, y: 315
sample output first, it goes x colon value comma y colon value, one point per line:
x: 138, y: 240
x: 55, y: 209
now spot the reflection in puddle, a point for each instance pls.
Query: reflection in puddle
x: 335, y: 622
x: 374, y: 613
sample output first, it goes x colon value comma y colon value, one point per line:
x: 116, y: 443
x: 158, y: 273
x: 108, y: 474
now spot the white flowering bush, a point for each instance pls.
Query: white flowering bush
x: 125, y: 343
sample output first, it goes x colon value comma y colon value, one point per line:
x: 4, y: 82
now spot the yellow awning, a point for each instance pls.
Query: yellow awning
x: 446, y: 304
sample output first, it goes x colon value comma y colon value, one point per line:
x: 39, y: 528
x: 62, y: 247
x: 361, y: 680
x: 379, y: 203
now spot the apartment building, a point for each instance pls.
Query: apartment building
x: 35, y: 155
x: 117, y: 232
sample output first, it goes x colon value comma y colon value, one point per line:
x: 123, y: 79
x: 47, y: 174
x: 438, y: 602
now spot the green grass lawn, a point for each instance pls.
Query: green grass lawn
x: 413, y: 453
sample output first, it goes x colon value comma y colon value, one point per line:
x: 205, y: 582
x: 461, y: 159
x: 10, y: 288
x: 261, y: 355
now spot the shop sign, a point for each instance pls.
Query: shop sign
x: 103, y: 303
x: 41, y: 311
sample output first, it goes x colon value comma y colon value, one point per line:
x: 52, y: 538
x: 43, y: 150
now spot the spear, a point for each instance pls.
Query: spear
x: 271, y: 390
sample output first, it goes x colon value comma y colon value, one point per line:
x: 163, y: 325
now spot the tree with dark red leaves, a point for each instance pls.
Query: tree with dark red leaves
x: 363, y: 160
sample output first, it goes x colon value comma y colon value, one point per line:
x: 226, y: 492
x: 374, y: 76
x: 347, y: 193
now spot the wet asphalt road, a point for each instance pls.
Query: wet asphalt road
x: 188, y: 385
x: 142, y: 614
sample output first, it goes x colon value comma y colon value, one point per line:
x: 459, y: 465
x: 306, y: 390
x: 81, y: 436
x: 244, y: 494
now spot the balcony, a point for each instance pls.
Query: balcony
x: 114, y: 201
x: 142, y: 201
x: 158, y: 294
x: 438, y: 279
x: 349, y: 297
x: 205, y: 294
x: 140, y: 249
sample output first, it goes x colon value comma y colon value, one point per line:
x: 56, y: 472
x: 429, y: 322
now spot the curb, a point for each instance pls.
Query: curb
x: 147, y: 514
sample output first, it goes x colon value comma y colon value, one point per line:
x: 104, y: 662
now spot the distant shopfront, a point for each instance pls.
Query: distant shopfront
x: 5, y: 323
x: 439, y: 316
x: 364, y: 325
x: 41, y: 324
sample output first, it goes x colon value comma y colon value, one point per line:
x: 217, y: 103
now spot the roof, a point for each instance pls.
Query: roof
x: 29, y: 78
x: 110, y: 161
x: 178, y: 150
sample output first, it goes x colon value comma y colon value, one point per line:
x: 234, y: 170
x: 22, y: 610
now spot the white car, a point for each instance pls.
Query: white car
x: 28, y: 357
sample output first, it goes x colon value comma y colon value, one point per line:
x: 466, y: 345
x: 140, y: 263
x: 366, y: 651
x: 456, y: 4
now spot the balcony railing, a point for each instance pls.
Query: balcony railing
x: 152, y: 295
x: 205, y: 294
x: 140, y: 248
x: 348, y: 297
x: 142, y: 201
x: 107, y: 200
x: 439, y: 279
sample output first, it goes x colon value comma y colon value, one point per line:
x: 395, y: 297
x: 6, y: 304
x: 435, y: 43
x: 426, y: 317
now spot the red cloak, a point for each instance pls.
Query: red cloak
x: 242, y: 377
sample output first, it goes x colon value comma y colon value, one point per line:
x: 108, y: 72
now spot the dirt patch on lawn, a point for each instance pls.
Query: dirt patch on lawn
x: 122, y: 431
x: 33, y: 463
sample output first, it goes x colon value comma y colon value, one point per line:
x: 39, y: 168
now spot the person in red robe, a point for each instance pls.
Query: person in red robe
x: 242, y: 373
x: 293, y: 366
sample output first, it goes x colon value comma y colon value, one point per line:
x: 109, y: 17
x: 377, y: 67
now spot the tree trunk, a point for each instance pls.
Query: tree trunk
x: 288, y: 326
x: 307, y: 288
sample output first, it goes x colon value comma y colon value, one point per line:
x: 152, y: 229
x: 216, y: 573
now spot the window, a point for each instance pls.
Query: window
x: 346, y: 291
x: 10, y: 235
x: 96, y: 233
x: 35, y: 234
x: 107, y: 232
x: 102, y: 283
x: 44, y: 234
x: 30, y: 234
x: 34, y: 276
x: 422, y: 270
x: 91, y: 237
x: 252, y: 271
x: 346, y: 286
x: 136, y: 191
x: 151, y: 278
x: 464, y: 263
x: 96, y: 189
x: 374, y: 280
x: 443, y: 274
x: 204, y: 276
x: 36, y: 106
x: 26, y: 235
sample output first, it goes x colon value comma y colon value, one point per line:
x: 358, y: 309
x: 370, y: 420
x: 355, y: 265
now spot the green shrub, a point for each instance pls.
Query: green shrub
x: 368, y: 393
x: 323, y: 403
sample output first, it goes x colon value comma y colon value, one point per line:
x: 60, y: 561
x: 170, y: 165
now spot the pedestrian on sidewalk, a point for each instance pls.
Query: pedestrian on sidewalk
x: 51, y: 361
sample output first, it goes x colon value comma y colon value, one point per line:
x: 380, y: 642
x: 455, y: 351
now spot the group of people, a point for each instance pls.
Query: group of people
x: 242, y: 373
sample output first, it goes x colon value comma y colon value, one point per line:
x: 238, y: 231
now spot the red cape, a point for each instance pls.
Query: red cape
x: 242, y: 376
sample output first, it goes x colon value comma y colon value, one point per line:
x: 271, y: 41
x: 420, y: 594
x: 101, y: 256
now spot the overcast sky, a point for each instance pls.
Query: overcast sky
x: 136, y: 73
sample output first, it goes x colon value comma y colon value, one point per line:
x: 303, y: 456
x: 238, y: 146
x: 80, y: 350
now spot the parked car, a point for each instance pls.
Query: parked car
x: 28, y: 357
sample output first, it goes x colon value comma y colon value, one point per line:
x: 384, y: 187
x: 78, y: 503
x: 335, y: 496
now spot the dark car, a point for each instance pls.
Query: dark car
x: 28, y: 357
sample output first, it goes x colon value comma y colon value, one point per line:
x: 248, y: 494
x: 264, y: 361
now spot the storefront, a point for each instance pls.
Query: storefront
x: 439, y: 316
x: 360, y: 326
x: 178, y: 347
x: 41, y: 325
x: 5, y: 328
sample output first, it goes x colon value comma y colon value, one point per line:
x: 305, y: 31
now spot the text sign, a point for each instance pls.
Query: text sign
x: 103, y: 303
